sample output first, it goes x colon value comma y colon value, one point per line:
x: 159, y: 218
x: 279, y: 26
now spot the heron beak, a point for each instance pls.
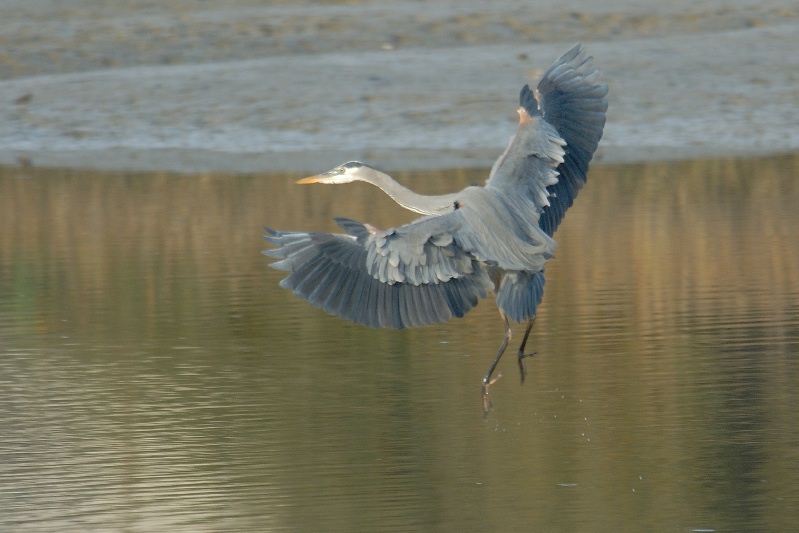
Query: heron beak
x: 331, y: 176
x: 312, y: 179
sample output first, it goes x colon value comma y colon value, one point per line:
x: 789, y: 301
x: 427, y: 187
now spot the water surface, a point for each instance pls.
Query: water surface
x: 153, y: 377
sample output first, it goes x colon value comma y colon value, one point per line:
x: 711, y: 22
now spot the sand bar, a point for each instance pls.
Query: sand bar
x: 187, y: 86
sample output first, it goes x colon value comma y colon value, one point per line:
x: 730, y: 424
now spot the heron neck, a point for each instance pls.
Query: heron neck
x: 419, y: 203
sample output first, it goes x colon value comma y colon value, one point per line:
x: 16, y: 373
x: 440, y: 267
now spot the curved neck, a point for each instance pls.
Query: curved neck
x: 419, y: 203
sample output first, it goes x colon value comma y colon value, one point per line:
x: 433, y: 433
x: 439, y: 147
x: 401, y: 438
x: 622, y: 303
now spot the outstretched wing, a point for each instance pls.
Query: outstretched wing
x: 414, y: 275
x: 546, y: 161
x: 572, y: 99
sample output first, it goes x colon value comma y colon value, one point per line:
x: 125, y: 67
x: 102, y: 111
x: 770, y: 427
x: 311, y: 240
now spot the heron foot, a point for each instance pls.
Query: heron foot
x: 487, y: 382
x: 522, y: 366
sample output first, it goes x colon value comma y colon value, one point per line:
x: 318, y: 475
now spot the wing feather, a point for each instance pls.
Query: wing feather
x: 559, y: 130
x: 571, y: 98
x: 520, y: 293
x: 408, y: 276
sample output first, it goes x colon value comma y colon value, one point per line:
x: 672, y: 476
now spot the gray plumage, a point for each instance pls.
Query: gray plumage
x: 497, y: 237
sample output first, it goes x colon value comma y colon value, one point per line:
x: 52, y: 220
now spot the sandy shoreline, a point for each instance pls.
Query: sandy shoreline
x: 169, y: 86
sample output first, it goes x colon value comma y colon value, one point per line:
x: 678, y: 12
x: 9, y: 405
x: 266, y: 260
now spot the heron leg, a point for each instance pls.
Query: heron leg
x: 522, y: 355
x: 487, y: 381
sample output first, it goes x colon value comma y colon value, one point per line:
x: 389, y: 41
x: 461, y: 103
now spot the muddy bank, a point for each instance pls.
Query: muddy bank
x: 177, y: 85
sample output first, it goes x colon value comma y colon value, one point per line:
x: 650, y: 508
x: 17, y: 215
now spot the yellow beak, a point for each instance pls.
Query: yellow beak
x: 311, y: 179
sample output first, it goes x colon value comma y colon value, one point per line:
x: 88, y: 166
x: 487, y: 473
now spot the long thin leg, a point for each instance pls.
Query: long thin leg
x: 522, y: 355
x: 487, y: 381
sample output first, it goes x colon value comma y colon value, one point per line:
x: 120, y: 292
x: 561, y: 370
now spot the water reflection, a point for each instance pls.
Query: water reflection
x: 155, y: 378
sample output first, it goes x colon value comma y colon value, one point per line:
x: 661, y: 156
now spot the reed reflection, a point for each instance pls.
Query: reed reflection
x: 151, y: 363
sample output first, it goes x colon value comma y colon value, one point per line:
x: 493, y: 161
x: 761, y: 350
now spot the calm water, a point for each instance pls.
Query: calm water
x: 153, y: 377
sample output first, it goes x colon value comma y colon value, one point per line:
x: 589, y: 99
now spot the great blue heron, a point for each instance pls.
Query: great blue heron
x: 497, y: 237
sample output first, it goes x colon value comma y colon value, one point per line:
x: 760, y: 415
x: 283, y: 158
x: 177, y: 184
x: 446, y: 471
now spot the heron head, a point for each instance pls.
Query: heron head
x: 346, y: 173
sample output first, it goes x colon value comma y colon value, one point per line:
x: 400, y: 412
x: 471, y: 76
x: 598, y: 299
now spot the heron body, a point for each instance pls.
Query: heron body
x: 492, y: 238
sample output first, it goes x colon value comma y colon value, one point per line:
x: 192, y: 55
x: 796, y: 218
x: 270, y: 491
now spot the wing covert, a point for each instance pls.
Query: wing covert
x: 527, y: 167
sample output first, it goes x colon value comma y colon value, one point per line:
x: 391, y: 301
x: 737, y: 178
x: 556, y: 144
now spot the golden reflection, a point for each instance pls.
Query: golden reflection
x: 670, y: 284
x: 665, y: 230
